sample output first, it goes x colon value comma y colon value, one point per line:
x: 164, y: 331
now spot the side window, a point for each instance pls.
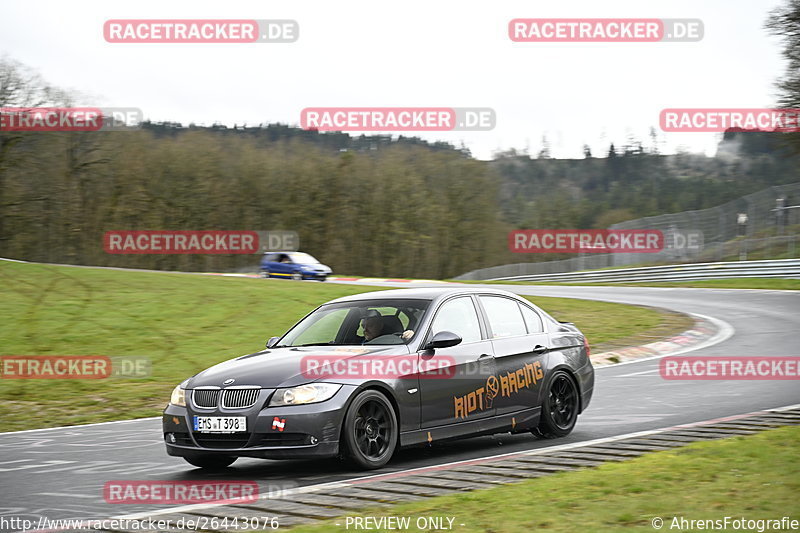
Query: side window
x: 532, y: 319
x: 271, y: 258
x: 458, y: 316
x: 504, y: 316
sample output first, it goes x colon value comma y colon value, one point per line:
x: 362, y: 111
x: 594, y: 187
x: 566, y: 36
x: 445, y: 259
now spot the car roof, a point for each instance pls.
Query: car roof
x: 421, y: 293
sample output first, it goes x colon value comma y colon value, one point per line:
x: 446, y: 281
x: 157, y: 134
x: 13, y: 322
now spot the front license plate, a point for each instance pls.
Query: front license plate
x: 220, y: 424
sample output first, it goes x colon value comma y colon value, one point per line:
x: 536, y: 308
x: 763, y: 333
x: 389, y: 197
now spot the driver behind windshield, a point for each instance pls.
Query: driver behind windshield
x: 373, y: 326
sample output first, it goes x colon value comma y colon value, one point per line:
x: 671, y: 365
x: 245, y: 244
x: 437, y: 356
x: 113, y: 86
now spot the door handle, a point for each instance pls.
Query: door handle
x: 538, y: 349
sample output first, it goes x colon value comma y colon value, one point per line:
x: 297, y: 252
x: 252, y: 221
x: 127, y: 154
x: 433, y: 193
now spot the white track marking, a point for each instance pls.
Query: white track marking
x: 80, y: 426
x: 65, y: 495
x: 638, y: 373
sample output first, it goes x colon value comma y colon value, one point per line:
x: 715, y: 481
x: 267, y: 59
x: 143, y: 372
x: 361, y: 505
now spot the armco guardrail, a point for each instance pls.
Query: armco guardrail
x: 779, y: 268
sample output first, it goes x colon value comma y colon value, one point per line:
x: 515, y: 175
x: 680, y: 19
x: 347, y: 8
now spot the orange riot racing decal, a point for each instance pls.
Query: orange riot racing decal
x: 505, y: 385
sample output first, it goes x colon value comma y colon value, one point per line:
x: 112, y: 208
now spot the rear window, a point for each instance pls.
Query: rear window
x: 532, y: 319
x: 505, y: 318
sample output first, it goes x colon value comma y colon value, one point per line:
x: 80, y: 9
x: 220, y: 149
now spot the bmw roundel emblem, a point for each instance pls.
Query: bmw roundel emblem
x: 228, y: 381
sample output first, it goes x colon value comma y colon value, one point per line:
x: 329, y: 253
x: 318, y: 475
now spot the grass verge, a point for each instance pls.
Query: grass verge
x: 183, y: 324
x: 754, y: 477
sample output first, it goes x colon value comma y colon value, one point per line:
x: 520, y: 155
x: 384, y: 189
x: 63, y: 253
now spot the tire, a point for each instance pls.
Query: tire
x: 560, y: 407
x: 210, y: 462
x: 265, y: 273
x: 297, y: 276
x: 369, y: 430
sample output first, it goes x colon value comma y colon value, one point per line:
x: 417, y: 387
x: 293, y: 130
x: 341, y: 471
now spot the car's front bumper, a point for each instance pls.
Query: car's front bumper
x: 308, y: 430
x: 315, y: 275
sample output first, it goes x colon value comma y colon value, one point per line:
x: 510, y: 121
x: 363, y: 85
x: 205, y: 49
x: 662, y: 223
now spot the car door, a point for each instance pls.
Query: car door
x: 519, y: 350
x: 282, y: 266
x: 459, y: 393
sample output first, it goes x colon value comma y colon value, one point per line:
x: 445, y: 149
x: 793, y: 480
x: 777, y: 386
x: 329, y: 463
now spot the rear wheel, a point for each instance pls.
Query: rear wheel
x: 265, y: 273
x: 560, y: 409
x: 210, y: 462
x: 370, y: 430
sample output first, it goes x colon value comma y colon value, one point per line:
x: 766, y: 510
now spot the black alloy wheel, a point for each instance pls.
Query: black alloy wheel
x: 370, y: 430
x: 560, y: 409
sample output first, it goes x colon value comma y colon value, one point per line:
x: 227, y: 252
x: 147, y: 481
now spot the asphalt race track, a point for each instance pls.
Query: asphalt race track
x: 60, y: 473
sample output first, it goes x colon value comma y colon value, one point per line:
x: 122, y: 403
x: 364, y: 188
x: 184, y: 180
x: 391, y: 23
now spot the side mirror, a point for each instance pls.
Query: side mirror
x: 443, y: 339
x: 272, y: 341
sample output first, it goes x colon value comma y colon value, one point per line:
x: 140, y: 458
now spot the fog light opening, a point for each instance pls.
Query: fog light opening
x: 313, y: 440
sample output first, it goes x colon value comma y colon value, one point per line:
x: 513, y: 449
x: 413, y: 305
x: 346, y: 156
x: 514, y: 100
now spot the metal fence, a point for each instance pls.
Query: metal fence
x: 757, y: 226
x: 780, y: 268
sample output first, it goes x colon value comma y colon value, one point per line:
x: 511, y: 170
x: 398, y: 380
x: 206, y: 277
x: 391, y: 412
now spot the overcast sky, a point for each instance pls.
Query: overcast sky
x: 413, y: 54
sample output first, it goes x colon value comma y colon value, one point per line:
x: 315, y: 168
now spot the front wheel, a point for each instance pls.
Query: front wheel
x: 297, y: 276
x: 210, y: 462
x: 370, y: 430
x: 560, y: 409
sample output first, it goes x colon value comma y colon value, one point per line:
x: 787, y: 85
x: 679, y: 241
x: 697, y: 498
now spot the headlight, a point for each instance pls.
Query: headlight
x: 311, y: 393
x: 178, y: 396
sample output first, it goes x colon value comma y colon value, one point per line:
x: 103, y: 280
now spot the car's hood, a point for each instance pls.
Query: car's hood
x: 283, y: 367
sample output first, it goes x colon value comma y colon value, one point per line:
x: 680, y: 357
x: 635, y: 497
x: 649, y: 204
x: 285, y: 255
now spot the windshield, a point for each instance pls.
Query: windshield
x: 368, y: 322
x: 302, y: 257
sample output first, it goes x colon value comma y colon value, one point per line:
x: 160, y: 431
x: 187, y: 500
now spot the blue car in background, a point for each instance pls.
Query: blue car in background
x: 294, y: 265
